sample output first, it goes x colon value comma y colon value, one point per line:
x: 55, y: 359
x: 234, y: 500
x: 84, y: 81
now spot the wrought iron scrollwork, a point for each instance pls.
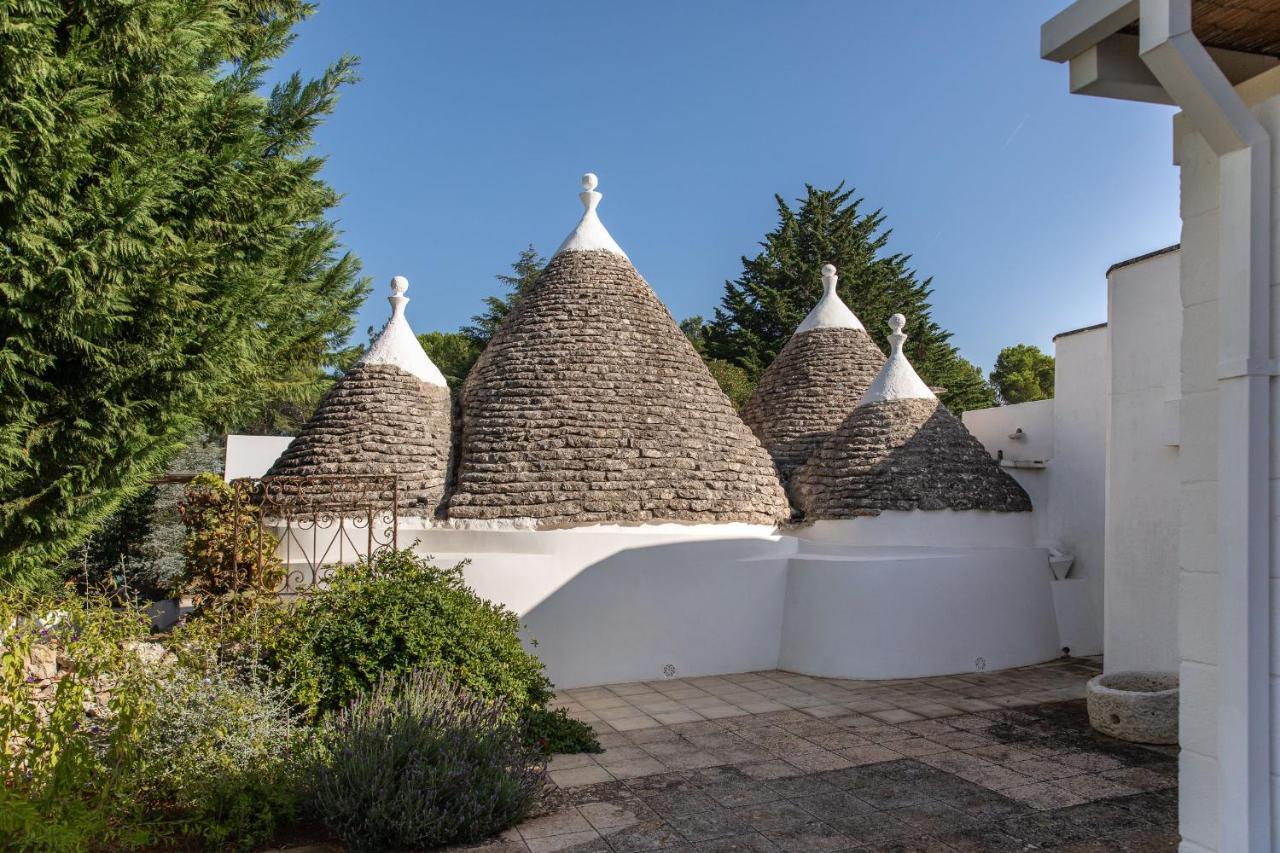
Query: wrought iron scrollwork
x: 316, y: 523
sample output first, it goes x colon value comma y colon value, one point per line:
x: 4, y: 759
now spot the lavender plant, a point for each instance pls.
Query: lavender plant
x: 419, y: 762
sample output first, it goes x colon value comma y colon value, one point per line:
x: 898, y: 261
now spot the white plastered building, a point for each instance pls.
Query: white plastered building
x: 1217, y: 61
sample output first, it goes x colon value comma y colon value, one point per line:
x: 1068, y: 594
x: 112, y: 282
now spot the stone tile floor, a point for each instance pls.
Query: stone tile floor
x: 774, y: 761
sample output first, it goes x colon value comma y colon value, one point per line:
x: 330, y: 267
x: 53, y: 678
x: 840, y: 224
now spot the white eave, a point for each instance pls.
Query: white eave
x: 1107, y: 63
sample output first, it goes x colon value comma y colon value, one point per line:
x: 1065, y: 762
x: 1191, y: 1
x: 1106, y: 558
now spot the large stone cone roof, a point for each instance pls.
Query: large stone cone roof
x: 590, y: 406
x: 390, y: 414
x: 808, y: 391
x: 903, y: 454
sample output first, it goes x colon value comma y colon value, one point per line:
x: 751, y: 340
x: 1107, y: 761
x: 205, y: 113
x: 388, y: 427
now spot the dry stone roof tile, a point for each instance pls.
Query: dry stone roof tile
x: 808, y: 391
x: 590, y: 406
x: 903, y: 455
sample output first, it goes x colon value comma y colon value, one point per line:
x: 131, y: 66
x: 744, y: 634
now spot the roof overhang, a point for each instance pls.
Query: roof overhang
x: 1099, y: 41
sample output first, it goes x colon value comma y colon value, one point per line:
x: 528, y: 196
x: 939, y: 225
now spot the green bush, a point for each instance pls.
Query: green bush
x: 67, y: 774
x: 395, y: 615
x: 221, y: 760
x: 419, y: 762
x: 555, y: 731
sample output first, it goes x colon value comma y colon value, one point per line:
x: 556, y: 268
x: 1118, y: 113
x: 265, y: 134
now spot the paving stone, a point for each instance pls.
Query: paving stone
x: 717, y: 822
x: 790, y: 787
x: 816, y: 836
x: 834, y: 805
x: 749, y: 843
x: 560, y: 822
x: 648, y: 835
x: 774, y: 815
x: 571, y: 842
x: 1042, y: 796
x: 734, y: 793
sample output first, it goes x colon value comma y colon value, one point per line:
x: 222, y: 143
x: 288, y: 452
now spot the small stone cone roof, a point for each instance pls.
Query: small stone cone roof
x: 814, y: 383
x: 900, y: 449
x: 589, y: 406
x: 390, y: 414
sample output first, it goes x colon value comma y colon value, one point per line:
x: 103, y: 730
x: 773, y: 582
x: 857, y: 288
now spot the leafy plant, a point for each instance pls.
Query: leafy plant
x: 221, y: 761
x: 66, y: 773
x: 1023, y: 373
x: 397, y: 614
x: 552, y: 732
x: 420, y: 762
x: 228, y: 558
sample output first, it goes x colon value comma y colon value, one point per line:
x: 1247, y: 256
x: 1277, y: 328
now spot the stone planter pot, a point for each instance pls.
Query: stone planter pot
x: 1136, y: 706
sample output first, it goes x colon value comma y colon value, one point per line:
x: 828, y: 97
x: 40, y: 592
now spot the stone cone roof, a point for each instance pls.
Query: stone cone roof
x: 903, y: 454
x: 590, y: 406
x: 812, y: 386
x: 387, y: 415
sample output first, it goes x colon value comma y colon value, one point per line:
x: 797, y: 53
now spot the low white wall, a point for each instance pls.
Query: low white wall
x: 909, y: 612
x: 1143, y: 485
x: 611, y: 604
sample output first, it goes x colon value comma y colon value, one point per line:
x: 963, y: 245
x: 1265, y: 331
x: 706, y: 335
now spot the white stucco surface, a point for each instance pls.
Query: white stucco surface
x: 830, y: 312
x: 897, y: 379
x: 944, y: 528
x: 252, y: 455
x: 1077, y: 481
x: 590, y: 234
x: 397, y: 345
x: 1142, y: 467
x: 906, y: 612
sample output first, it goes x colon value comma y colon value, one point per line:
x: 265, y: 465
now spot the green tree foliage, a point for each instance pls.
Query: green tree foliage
x: 732, y: 379
x: 1023, y: 373
x: 761, y: 309
x: 453, y: 353
x: 524, y: 272
x: 166, y: 264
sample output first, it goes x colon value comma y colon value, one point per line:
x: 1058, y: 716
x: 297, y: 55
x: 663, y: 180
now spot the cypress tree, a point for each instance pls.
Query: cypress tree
x: 167, y: 266
x: 760, y: 310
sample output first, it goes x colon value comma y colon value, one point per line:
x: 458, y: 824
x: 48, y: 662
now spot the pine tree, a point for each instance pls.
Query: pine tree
x: 167, y: 265
x: 761, y: 309
x: 524, y: 272
x: 1023, y: 373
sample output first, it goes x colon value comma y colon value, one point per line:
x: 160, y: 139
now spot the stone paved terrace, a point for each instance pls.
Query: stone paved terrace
x: 772, y: 761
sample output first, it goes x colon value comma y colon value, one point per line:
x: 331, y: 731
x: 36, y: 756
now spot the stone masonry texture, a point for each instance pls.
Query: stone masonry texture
x: 903, y: 455
x: 590, y: 406
x: 378, y: 419
x: 808, y: 391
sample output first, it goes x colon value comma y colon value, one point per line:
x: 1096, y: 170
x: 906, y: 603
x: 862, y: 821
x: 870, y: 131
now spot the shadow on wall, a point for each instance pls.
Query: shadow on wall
x: 661, y: 611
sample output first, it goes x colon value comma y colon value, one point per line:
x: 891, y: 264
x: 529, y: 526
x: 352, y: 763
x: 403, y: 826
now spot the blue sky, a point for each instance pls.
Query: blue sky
x: 473, y: 122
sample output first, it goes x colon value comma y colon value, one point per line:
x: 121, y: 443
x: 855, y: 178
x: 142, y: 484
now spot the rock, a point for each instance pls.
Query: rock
x: 150, y: 653
x: 1141, y: 707
x: 42, y: 663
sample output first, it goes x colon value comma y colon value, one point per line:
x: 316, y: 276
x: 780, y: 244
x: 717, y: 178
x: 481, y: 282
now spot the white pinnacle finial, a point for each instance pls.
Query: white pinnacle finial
x: 829, y: 279
x: 590, y: 235
x: 896, y: 335
x: 399, y: 284
x: 897, y: 380
x: 397, y: 346
x: 830, y: 312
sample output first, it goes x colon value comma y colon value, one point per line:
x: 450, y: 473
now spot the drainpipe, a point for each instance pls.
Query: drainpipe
x: 1245, y: 368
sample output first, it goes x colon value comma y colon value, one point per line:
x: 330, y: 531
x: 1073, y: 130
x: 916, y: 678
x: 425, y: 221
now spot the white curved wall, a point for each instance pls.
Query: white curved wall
x: 906, y: 612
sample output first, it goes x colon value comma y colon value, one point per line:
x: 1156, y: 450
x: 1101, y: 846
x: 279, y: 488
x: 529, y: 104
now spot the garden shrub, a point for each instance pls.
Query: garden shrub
x: 397, y: 614
x: 68, y: 745
x: 420, y: 762
x: 555, y: 731
x: 221, y: 566
x: 221, y: 760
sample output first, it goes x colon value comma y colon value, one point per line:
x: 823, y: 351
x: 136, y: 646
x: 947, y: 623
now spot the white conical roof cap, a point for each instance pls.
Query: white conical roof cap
x: 590, y: 235
x: 830, y: 312
x: 897, y: 380
x: 397, y: 345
